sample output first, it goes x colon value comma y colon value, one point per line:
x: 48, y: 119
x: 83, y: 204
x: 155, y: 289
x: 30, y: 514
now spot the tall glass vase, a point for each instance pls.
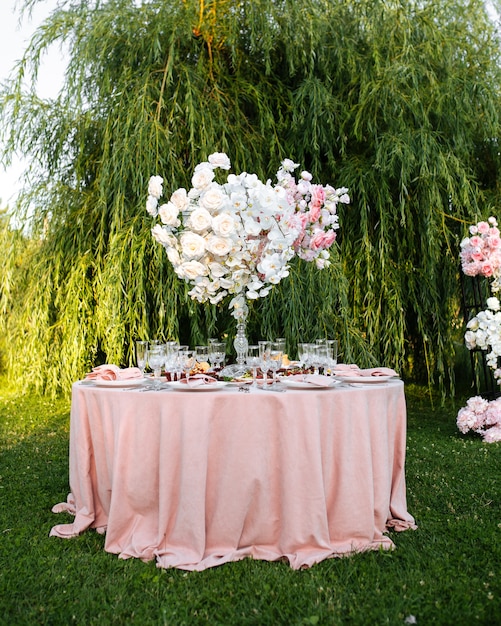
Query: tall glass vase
x: 241, y: 343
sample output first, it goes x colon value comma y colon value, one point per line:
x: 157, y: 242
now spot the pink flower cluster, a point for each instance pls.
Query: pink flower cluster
x: 481, y: 416
x: 481, y: 253
x: 316, y: 213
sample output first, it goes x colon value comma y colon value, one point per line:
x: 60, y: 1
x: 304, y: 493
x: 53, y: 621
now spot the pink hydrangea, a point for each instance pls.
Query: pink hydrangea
x: 482, y: 417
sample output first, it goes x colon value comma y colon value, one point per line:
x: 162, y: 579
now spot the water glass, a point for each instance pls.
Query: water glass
x: 188, y: 362
x: 218, y: 354
x: 202, y: 354
x: 253, y: 360
x: 275, y: 362
x: 156, y: 360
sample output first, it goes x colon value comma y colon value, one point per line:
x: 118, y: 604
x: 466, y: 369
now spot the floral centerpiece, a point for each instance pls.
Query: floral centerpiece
x: 238, y: 237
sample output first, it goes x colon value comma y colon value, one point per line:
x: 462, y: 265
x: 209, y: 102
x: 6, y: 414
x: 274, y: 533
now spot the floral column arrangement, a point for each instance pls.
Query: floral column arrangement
x: 236, y: 238
x: 481, y: 256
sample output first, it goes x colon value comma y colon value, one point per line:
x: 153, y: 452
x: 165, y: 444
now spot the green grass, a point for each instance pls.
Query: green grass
x: 446, y: 572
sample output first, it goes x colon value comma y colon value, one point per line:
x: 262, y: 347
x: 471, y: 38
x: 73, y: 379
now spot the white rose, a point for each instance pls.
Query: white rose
x: 151, y: 206
x: 202, y: 177
x: 173, y: 256
x: 192, y: 245
x: 219, y: 246
x: 180, y: 199
x: 200, y: 220
x: 493, y: 304
x: 155, y: 186
x: 169, y: 215
x: 219, y: 159
x: 212, y: 199
x: 191, y: 270
x: 162, y: 235
x: 223, y: 225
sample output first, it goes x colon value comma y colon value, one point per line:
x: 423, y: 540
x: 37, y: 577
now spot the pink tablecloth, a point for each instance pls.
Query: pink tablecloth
x: 197, y: 479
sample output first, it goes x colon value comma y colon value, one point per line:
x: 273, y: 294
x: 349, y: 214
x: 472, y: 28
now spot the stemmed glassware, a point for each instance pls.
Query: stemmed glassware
x: 156, y: 360
x: 142, y: 355
x: 217, y: 354
x: 253, y: 360
x: 188, y: 362
x: 275, y: 362
x: 202, y: 354
x: 331, y: 355
x: 264, y: 355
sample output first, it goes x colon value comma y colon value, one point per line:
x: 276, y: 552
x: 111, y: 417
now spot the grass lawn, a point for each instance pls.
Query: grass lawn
x: 446, y: 572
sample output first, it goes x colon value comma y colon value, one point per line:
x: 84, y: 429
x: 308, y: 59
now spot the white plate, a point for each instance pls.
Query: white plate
x: 131, y: 382
x: 299, y: 384
x: 365, y: 380
x: 209, y: 387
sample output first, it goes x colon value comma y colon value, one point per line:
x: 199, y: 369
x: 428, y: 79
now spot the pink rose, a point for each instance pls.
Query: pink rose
x: 314, y: 214
x: 487, y: 269
x: 317, y: 196
x: 483, y: 228
x: 476, y: 242
x: 322, y: 240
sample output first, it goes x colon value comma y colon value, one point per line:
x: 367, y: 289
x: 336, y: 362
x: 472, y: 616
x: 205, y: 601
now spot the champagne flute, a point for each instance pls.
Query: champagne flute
x: 264, y: 354
x: 332, y: 345
x: 141, y: 355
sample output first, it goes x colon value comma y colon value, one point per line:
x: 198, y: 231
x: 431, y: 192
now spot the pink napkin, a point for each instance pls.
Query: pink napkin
x: 198, y: 380
x: 313, y: 379
x: 354, y: 370
x: 113, y: 372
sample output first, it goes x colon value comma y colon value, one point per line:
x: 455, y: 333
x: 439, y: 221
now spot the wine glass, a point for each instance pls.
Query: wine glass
x: 188, y: 362
x: 264, y: 354
x: 202, y: 354
x: 218, y: 354
x: 141, y: 355
x: 171, y: 348
x: 253, y: 360
x: 275, y: 362
x: 156, y: 360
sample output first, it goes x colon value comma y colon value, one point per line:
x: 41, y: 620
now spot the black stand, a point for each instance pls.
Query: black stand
x: 475, y: 291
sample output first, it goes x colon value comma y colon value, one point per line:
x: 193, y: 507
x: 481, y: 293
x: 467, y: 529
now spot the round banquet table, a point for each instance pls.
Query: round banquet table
x: 196, y: 479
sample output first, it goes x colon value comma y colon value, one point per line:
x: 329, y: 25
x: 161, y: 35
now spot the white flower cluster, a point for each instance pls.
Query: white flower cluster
x: 484, y: 332
x: 232, y: 238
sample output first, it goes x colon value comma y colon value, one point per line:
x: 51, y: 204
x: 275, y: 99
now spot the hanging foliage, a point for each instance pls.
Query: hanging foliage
x: 398, y: 101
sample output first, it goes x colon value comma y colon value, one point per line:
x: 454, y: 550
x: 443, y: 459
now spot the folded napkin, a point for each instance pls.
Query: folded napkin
x: 318, y: 380
x: 198, y: 380
x: 113, y: 372
x: 353, y: 370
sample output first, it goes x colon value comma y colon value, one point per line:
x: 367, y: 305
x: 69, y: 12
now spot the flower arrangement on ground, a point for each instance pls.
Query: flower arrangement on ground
x: 238, y: 237
x: 481, y: 256
x: 483, y: 417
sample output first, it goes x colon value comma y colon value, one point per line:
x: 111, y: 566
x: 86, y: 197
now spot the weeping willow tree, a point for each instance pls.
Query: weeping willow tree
x: 397, y: 100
